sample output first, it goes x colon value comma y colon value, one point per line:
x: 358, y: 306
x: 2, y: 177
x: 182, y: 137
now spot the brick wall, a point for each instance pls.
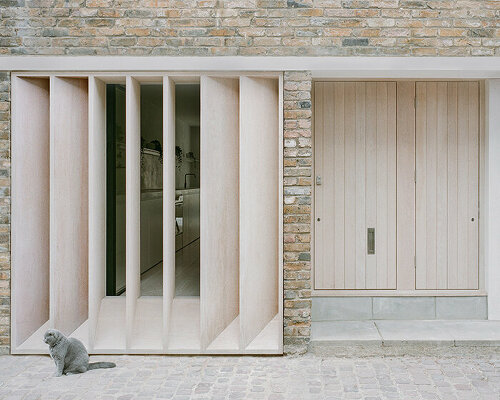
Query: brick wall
x: 251, y: 27
x: 4, y: 211
x: 297, y: 181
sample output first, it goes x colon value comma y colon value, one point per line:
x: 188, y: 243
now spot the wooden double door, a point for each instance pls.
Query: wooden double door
x: 396, y: 185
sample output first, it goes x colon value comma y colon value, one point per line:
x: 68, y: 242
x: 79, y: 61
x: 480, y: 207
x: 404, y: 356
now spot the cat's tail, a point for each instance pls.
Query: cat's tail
x: 97, y: 365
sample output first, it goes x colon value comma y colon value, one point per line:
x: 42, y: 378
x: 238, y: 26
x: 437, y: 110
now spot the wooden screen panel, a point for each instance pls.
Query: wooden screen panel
x: 355, y: 150
x: 30, y: 206
x: 219, y: 206
x: 168, y: 204
x: 259, y: 207
x: 132, y: 202
x: 405, y: 185
x: 447, y: 188
x: 97, y: 201
x: 68, y: 203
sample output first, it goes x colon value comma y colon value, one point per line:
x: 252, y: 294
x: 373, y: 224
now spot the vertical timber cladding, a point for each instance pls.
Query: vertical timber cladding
x: 447, y: 188
x: 240, y: 198
x: 30, y: 207
x: 219, y: 206
x: 355, y: 195
x: 68, y: 203
x: 436, y: 144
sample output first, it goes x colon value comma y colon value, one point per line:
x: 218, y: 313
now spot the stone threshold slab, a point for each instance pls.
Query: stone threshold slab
x: 394, y: 332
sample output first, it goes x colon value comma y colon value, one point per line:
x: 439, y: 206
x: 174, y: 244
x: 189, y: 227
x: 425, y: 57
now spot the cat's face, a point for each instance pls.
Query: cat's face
x: 51, y: 336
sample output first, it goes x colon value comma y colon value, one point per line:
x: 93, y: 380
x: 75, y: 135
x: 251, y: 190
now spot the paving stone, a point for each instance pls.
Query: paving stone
x: 468, y: 373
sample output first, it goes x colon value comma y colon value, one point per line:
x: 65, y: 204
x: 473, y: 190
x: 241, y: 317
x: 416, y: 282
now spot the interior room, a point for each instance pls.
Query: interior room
x: 187, y: 190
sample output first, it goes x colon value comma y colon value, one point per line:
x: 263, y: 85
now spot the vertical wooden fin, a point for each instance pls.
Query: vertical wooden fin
x: 68, y: 203
x: 97, y: 201
x: 219, y: 208
x: 168, y: 203
x: 30, y: 207
x: 132, y: 201
x: 259, y: 207
x: 406, y: 185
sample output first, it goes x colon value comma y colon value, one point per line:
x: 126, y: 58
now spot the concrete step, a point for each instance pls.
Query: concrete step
x: 396, y: 332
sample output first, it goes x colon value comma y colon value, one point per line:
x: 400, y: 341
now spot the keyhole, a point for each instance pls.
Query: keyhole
x: 472, y: 219
x: 319, y: 219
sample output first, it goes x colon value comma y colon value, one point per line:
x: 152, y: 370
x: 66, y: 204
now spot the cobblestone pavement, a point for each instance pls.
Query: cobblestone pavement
x: 466, y: 376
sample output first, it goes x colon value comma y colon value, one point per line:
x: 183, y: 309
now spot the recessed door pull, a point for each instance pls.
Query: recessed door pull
x: 371, y: 241
x: 318, y: 179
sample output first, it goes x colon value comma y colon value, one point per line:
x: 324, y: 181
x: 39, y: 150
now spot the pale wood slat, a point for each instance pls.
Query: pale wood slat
x: 259, y: 194
x: 360, y: 171
x: 371, y: 183
x: 68, y: 203
x: 405, y: 185
x: 219, y: 206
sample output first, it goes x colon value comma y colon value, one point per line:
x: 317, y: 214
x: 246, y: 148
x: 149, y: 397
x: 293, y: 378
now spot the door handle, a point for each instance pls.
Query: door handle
x: 318, y: 180
x: 371, y: 240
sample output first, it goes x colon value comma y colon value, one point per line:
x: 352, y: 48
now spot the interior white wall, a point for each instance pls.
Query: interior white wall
x: 491, y: 208
x: 187, y: 133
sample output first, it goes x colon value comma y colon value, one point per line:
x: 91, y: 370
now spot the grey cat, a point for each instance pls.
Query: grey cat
x: 70, y: 355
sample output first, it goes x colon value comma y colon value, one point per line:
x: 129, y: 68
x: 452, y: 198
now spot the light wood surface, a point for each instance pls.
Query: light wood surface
x: 147, y: 333
x: 168, y: 204
x: 279, y: 329
x: 76, y: 136
x: 338, y: 219
x: 483, y: 190
x: 111, y: 326
x: 405, y: 185
x: 365, y: 158
x: 133, y: 200
x: 398, y: 293
x: 228, y: 340
x: 219, y: 208
x: 30, y: 207
x: 355, y: 149
x: 447, y: 162
x: 259, y: 208
x: 269, y: 340
x: 68, y: 203
x: 97, y: 201
x: 184, y: 328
